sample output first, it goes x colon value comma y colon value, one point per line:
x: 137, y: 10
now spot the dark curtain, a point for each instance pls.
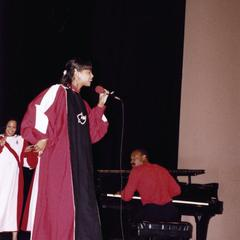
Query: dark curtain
x: 136, y: 49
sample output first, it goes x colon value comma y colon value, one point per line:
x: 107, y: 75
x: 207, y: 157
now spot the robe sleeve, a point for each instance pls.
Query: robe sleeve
x: 40, y: 117
x: 30, y: 159
x: 98, y: 124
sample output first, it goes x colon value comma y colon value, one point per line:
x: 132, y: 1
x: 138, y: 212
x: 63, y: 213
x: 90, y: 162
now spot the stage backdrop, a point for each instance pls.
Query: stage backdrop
x: 136, y: 49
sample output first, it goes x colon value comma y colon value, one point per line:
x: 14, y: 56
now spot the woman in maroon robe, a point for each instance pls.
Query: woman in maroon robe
x: 62, y: 127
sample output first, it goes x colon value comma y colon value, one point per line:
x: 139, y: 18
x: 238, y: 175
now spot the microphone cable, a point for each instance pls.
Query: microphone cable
x: 121, y: 171
x: 99, y: 90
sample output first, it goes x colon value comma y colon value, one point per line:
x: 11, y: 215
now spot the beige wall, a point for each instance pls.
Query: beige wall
x: 210, y: 105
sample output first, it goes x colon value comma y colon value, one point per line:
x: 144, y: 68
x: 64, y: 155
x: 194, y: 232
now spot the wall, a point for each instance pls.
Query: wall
x: 210, y: 105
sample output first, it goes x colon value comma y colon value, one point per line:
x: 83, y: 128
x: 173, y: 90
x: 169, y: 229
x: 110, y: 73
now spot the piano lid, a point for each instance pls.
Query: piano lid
x: 175, y: 172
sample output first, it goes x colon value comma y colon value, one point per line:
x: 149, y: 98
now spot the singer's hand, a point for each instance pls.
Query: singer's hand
x: 40, y: 145
x: 103, y: 98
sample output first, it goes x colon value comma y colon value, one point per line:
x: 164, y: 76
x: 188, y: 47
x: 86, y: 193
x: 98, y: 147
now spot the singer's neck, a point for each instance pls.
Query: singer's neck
x: 76, y: 86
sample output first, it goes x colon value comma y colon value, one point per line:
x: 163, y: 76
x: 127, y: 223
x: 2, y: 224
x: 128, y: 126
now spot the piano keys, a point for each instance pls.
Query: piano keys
x: 198, y: 200
x: 175, y: 201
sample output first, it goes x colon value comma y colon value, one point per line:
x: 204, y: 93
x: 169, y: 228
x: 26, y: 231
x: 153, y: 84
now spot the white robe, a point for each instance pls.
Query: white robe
x: 9, y: 181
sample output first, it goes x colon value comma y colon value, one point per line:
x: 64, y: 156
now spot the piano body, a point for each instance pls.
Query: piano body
x: 198, y: 200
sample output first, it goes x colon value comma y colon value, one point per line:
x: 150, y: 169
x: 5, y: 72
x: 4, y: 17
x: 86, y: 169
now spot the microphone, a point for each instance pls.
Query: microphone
x: 100, y: 89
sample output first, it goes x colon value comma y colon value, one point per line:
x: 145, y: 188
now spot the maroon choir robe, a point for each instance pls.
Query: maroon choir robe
x: 47, y: 117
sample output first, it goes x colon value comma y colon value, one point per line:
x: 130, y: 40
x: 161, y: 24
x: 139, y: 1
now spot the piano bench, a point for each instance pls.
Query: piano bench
x: 164, y: 230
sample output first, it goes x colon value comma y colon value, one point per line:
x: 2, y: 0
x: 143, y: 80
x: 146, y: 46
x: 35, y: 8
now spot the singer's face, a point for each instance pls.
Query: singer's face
x: 137, y: 158
x: 85, y: 77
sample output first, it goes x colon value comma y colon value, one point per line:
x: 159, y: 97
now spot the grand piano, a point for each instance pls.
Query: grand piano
x: 197, y: 200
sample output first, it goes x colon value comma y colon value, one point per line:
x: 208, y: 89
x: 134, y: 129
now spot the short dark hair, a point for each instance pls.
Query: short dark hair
x: 72, y: 64
x: 143, y: 151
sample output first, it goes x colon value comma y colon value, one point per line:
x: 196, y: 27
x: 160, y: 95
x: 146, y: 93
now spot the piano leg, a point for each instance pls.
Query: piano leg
x: 202, y: 221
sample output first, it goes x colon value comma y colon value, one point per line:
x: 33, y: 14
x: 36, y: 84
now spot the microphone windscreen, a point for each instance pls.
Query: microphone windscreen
x: 99, y: 89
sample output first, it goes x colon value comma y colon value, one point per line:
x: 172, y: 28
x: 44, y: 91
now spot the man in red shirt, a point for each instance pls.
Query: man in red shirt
x: 155, y: 186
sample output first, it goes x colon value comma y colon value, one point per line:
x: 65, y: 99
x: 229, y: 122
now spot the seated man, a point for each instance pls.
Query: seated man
x: 155, y: 186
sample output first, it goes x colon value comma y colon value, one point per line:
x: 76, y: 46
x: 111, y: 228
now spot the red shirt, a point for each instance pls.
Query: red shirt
x: 154, y: 184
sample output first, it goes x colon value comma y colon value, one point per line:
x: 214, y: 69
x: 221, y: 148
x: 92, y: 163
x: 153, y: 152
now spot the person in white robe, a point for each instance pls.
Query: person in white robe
x: 12, y: 153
